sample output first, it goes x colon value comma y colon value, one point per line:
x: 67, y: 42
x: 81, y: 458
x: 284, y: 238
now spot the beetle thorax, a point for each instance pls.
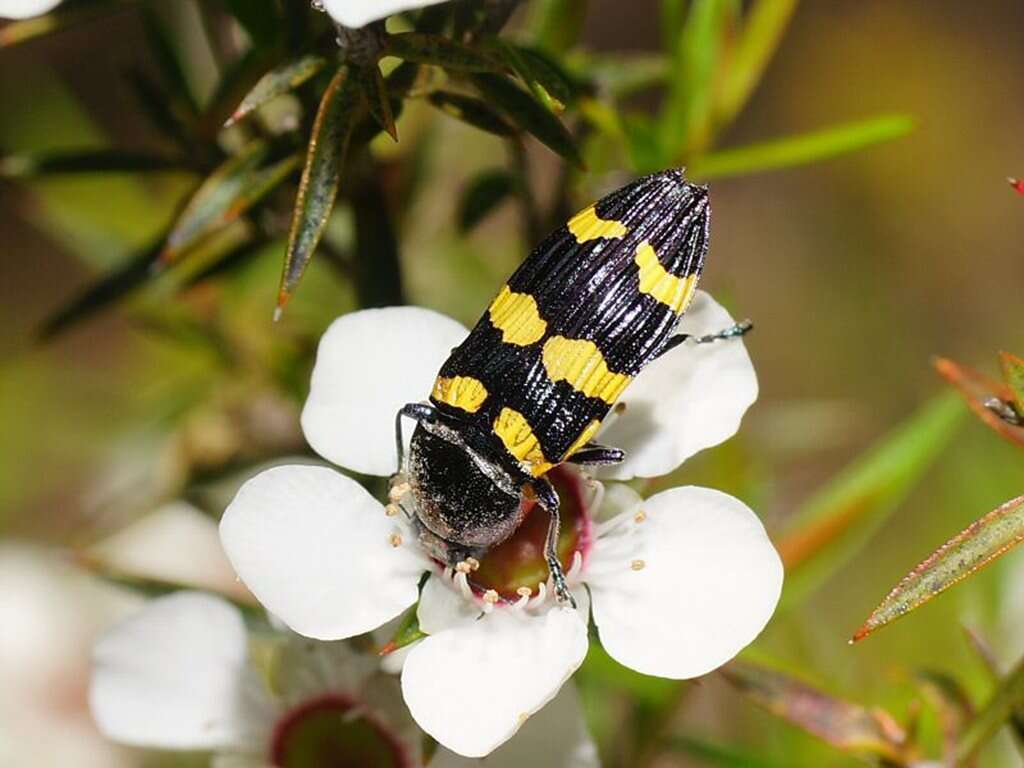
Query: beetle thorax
x: 462, y: 502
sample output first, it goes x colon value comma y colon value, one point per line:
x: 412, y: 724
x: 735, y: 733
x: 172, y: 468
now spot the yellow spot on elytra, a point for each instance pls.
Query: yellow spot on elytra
x: 581, y: 365
x: 586, y: 226
x: 674, y: 292
x: 517, y: 317
x: 517, y: 436
x: 462, y: 392
x: 588, y: 432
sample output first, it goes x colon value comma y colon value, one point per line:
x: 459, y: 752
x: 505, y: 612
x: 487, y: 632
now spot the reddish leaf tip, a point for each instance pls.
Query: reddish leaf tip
x: 388, y: 648
x: 1017, y: 184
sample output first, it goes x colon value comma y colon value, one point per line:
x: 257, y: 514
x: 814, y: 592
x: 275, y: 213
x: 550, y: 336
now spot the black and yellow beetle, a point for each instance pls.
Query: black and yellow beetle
x: 593, y: 304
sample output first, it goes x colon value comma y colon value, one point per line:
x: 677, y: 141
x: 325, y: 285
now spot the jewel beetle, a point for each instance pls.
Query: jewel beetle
x: 592, y: 304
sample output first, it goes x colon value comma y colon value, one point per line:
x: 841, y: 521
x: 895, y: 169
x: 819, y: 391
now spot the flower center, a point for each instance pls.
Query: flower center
x: 333, y: 731
x: 518, y: 562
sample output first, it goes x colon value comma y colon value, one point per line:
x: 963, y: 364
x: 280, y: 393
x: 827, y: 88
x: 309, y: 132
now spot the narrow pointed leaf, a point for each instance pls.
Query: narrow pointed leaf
x: 685, y: 120
x: 378, y: 102
x: 837, y: 521
x: 276, y: 82
x: 548, y: 82
x: 483, y: 195
x: 981, y: 393
x: 320, y: 179
x: 529, y: 115
x: 802, y: 149
x: 763, y: 28
x: 228, y: 193
x: 87, y: 161
x: 238, y: 79
x: 1013, y: 375
x: 407, y: 633
x: 440, y: 51
x: 846, y: 726
x: 997, y: 711
x: 969, y: 551
x: 625, y: 74
x: 472, y: 111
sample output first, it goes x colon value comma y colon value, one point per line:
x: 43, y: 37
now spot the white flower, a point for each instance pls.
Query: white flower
x: 52, y: 615
x: 26, y: 9
x: 359, y: 13
x: 179, y: 676
x: 679, y: 582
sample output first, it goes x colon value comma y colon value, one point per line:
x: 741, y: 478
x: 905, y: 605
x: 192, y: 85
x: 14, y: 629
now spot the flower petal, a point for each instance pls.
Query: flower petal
x: 690, y: 399
x: 359, y: 13
x: 682, y: 588
x: 473, y: 686
x: 556, y: 739
x: 25, y: 9
x: 369, y: 364
x: 441, y: 607
x: 317, y: 550
x: 151, y: 548
x: 174, y: 676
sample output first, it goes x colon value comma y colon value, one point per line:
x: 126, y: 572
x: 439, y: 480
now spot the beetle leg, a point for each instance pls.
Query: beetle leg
x: 547, y: 497
x: 732, y: 332
x: 595, y: 454
x: 417, y: 412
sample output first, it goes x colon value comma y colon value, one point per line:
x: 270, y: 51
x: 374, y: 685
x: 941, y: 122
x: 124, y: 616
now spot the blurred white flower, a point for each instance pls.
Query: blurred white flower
x: 179, y: 676
x: 359, y: 13
x: 25, y: 9
x: 679, y: 582
x: 52, y: 615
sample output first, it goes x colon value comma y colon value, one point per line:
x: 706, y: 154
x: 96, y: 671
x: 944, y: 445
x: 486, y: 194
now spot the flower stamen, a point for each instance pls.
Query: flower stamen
x: 638, y: 565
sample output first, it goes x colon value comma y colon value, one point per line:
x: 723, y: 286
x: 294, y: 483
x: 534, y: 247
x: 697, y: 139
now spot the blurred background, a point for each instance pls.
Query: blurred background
x: 856, y: 271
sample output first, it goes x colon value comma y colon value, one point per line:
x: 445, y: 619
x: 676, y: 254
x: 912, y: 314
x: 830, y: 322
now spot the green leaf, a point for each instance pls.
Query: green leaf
x: 378, y: 102
x: 965, y: 554
x: 801, y: 149
x: 981, y: 393
x: 529, y: 115
x: 238, y: 80
x: 546, y: 80
x: 685, y: 119
x: 226, y: 195
x: 472, y: 111
x: 407, y: 633
x: 276, y: 82
x: 837, y: 521
x: 763, y: 27
x: 483, y: 195
x: 1013, y: 375
x: 996, y: 712
x: 320, y: 179
x: 440, y: 51
x: 845, y: 725
x: 60, y: 19
x: 87, y: 161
